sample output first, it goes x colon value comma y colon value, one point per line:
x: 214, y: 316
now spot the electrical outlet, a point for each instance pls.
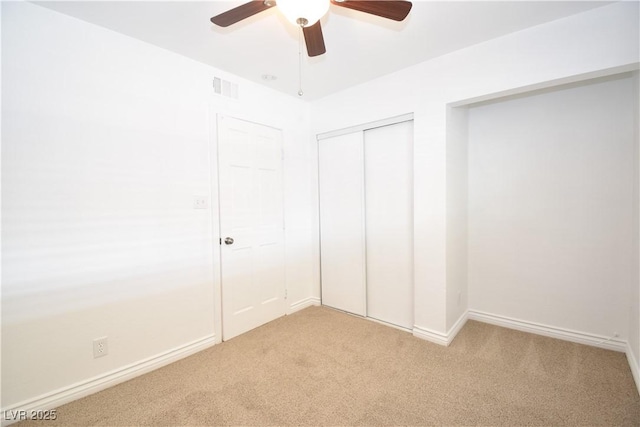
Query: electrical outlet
x: 200, y: 202
x: 100, y: 347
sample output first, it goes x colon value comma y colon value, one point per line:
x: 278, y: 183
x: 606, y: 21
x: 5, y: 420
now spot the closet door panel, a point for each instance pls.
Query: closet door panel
x: 342, y: 235
x: 389, y: 223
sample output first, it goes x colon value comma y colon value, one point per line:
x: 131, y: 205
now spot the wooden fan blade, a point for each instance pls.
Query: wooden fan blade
x: 314, y: 39
x: 390, y: 9
x: 239, y: 13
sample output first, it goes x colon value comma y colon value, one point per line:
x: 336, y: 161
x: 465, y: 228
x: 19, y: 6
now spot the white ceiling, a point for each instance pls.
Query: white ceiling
x: 360, y: 47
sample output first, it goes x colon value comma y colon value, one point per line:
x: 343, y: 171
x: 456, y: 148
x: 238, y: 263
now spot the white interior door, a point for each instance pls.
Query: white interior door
x: 251, y: 225
x: 388, y: 160
x: 342, y: 238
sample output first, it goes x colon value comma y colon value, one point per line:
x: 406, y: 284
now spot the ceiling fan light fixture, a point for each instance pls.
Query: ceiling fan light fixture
x: 306, y: 14
x: 303, y: 13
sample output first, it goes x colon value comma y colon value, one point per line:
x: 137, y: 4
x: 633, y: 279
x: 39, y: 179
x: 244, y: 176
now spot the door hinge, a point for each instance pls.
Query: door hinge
x: 286, y: 293
x: 220, y: 241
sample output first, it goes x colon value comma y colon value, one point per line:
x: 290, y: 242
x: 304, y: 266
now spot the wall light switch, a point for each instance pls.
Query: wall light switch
x: 200, y: 202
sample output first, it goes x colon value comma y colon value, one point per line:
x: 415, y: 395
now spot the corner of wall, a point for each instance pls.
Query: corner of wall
x: 633, y: 365
x: 633, y: 345
x: 456, y: 214
x: 444, y: 339
x: 303, y: 303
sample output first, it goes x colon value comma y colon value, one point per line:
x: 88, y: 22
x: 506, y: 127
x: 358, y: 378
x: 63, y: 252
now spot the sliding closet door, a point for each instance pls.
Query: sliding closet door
x: 342, y: 239
x: 389, y: 223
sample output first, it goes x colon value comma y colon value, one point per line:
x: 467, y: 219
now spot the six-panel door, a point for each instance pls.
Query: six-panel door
x: 251, y: 225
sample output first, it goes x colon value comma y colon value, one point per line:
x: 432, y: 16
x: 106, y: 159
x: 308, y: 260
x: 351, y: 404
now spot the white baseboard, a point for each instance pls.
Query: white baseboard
x: 438, y: 337
x: 390, y: 325
x: 430, y: 335
x: 303, y: 303
x: 534, y: 328
x: 453, y: 331
x: 633, y: 364
x: 549, y: 331
x: 93, y: 385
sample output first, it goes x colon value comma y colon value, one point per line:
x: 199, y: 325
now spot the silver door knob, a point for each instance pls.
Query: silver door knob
x: 228, y: 241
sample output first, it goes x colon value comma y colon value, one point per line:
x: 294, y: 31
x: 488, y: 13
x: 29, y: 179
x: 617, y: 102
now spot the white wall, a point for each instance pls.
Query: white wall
x: 633, y: 352
x: 596, y: 41
x: 105, y: 142
x: 457, y: 217
x: 551, y: 194
x: 107, y: 139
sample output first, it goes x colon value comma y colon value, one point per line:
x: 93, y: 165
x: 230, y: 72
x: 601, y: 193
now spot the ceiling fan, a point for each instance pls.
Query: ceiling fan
x: 307, y: 14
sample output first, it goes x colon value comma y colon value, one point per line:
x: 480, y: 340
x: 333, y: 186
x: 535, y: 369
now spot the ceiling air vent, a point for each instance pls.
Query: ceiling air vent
x: 225, y: 88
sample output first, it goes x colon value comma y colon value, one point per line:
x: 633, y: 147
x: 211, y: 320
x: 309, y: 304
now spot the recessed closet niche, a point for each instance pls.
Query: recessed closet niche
x: 366, y: 221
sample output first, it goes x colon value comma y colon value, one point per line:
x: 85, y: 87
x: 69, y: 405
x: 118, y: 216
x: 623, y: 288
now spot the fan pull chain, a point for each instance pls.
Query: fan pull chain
x: 300, y: 92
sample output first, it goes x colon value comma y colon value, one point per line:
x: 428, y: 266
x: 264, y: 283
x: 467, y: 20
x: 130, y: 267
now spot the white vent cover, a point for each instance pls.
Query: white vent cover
x: 225, y: 88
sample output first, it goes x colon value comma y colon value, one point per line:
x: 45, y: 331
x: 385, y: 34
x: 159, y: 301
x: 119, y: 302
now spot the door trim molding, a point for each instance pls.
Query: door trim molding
x: 214, y: 207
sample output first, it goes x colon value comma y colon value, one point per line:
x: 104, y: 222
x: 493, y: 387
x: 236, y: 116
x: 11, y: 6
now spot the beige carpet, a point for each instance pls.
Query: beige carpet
x: 323, y: 367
